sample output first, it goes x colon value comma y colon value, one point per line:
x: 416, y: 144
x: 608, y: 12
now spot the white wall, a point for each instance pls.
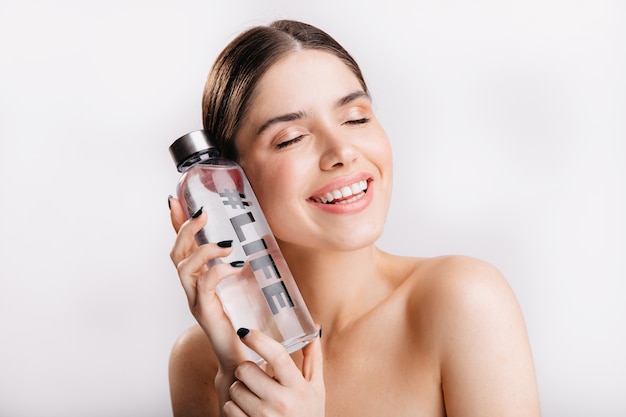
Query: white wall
x: 508, y: 124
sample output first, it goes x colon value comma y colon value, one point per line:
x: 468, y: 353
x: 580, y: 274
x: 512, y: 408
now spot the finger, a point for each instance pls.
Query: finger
x: 195, y: 264
x: 256, y: 380
x: 231, y: 409
x: 185, y: 241
x: 285, y: 370
x: 194, y: 274
x: 247, y: 400
x: 207, y: 283
x: 313, y: 361
x: 177, y: 214
x: 208, y: 310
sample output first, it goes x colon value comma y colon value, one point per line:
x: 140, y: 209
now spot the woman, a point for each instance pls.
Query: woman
x: 402, y: 336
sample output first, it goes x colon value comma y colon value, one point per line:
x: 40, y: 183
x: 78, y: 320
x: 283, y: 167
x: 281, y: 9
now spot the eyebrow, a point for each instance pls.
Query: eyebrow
x: 289, y: 117
x: 351, y: 97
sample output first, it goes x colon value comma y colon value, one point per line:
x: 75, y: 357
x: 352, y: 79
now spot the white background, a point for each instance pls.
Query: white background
x: 508, y: 126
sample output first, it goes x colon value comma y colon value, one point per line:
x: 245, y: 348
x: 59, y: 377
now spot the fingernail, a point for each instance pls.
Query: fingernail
x: 242, y: 332
x: 197, y: 213
x: 169, y: 203
x: 320, y: 332
x: 237, y: 264
x: 225, y: 243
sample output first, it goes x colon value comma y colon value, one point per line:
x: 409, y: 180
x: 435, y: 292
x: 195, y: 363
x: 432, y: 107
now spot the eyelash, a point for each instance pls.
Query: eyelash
x: 289, y: 142
x: 293, y: 141
x: 357, y: 121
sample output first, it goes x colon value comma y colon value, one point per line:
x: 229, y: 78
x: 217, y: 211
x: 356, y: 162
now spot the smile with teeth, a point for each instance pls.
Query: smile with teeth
x: 344, y: 195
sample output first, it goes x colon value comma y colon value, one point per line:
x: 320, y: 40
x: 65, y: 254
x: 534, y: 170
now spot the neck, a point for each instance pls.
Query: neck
x: 338, y: 287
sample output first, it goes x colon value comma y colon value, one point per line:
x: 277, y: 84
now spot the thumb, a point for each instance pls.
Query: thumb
x: 313, y: 362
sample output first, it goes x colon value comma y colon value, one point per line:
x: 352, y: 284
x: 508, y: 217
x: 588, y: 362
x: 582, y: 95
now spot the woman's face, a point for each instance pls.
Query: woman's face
x: 315, y: 154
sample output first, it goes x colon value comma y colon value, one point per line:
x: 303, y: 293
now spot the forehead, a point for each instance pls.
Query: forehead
x: 302, y: 80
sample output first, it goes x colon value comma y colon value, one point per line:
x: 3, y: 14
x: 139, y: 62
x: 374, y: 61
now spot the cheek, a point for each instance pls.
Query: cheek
x: 268, y: 184
x: 380, y: 149
x: 279, y: 209
x: 281, y: 197
x: 389, y: 155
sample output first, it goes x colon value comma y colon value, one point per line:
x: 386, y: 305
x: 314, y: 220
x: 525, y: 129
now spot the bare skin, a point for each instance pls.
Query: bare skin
x: 402, y: 336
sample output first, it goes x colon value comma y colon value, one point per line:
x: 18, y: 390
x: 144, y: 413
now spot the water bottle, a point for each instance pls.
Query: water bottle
x: 264, y: 296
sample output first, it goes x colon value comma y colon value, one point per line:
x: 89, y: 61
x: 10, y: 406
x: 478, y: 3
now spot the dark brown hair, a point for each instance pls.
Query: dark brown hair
x: 238, y: 69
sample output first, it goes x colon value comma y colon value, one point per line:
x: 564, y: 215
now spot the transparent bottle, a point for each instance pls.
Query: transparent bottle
x: 264, y: 296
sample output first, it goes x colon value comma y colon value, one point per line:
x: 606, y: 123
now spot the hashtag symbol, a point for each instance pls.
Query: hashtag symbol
x: 233, y: 199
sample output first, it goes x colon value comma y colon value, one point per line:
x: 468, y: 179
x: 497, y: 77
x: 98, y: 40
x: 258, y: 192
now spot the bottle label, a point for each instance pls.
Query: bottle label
x: 263, y: 265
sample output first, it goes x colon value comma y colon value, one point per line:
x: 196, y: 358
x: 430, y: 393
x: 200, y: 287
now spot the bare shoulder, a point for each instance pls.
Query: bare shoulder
x: 454, y: 282
x: 479, y: 333
x: 465, y: 294
x: 457, y: 267
x: 192, y: 370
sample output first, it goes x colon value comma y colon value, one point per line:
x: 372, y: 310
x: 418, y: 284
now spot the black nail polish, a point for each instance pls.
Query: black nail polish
x: 225, y: 243
x: 320, y: 332
x: 242, y: 332
x: 197, y: 213
x: 169, y: 203
x: 237, y: 264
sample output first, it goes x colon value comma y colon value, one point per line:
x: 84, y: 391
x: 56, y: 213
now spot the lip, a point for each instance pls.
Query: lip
x: 342, y: 182
x: 348, y: 208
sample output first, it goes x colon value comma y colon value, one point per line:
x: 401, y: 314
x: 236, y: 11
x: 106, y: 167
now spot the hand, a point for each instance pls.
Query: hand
x: 288, y: 392
x: 199, y: 282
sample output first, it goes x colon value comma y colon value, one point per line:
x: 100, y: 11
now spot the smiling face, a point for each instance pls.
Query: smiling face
x: 315, y: 154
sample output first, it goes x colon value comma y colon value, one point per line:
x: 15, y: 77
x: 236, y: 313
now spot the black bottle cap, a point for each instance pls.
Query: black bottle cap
x: 190, y: 148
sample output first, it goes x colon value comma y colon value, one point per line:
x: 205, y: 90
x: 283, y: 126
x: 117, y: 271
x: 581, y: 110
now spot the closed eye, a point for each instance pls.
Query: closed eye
x: 289, y: 142
x: 357, y: 121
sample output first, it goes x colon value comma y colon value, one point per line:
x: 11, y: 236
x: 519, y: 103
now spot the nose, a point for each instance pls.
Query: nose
x: 337, y: 150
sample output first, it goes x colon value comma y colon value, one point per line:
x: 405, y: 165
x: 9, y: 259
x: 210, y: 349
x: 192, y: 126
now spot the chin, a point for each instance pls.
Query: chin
x: 339, y: 242
x: 355, y: 240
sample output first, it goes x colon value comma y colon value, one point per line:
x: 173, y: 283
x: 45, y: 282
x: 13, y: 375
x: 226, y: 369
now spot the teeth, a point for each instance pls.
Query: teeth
x: 345, y: 191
